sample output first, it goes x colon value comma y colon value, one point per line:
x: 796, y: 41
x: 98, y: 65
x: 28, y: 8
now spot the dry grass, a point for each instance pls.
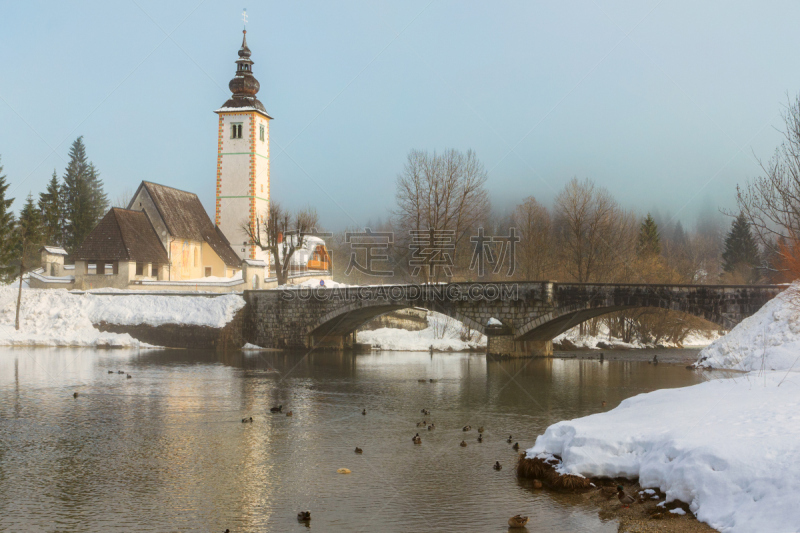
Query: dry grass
x: 546, y: 473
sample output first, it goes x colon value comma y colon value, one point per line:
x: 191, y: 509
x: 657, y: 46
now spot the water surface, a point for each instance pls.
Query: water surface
x: 166, y: 449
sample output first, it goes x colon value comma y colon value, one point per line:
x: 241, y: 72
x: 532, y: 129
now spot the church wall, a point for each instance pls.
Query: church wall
x: 143, y: 202
x: 242, y: 178
x: 211, y: 259
x: 182, y: 256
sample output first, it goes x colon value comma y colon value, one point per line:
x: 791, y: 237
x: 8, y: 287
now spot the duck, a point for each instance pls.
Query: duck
x: 276, y: 409
x: 433, y: 380
x: 509, y: 440
x: 466, y: 428
x: 421, y: 381
x: 417, y: 439
x: 480, y: 429
x: 359, y: 450
x: 120, y: 371
x: 74, y: 394
x: 247, y: 420
x: 425, y: 412
x: 497, y: 465
x: 289, y: 413
x: 110, y: 371
x: 625, y: 499
x: 463, y: 444
x: 517, y: 521
x: 422, y: 424
x: 128, y: 376
x: 364, y: 412
x: 480, y: 437
x: 432, y: 427
x: 516, y: 446
x: 304, y: 516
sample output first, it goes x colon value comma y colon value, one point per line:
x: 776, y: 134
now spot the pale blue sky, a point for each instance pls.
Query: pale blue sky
x: 664, y: 103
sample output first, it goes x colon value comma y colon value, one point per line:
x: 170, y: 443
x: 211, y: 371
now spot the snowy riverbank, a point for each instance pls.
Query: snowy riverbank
x: 730, y: 448
x: 443, y: 334
x: 56, y: 317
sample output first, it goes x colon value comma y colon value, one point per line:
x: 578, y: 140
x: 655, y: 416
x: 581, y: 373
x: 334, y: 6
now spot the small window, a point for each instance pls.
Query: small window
x: 208, y: 272
x: 139, y: 269
x: 261, y: 132
x: 236, y: 131
x: 154, y: 271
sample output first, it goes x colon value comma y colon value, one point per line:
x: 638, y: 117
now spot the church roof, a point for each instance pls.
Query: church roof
x: 185, y: 218
x: 244, y: 85
x: 123, y: 235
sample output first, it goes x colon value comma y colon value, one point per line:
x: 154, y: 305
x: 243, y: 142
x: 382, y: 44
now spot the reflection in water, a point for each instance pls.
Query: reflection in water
x: 166, y: 450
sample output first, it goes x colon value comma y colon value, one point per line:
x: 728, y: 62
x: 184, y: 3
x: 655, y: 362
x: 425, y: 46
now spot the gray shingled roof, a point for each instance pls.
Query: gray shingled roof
x: 123, y: 235
x: 185, y: 218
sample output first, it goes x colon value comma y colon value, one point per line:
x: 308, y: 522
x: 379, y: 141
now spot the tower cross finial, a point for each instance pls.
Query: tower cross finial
x: 244, y: 17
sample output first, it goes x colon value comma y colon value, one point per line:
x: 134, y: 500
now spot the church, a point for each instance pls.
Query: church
x: 165, y: 239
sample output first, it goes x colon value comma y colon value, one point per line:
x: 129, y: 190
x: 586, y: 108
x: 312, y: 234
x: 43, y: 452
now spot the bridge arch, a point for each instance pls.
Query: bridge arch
x: 551, y: 324
x: 345, y: 319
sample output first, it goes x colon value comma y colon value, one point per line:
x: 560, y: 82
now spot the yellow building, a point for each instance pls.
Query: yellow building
x: 196, y: 247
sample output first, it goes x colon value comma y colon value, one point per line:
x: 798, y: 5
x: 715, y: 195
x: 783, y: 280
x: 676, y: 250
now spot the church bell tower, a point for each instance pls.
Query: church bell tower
x: 243, y: 159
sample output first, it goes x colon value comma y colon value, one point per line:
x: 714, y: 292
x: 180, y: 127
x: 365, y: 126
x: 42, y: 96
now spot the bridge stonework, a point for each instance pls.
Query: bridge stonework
x: 531, y: 313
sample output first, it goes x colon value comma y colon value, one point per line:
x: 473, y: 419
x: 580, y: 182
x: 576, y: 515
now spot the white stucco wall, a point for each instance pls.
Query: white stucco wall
x: 235, y: 196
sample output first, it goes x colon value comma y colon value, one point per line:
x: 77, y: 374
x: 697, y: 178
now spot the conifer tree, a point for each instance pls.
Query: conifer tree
x: 30, y: 234
x: 649, y: 243
x: 8, y: 237
x: 84, y: 199
x: 741, y: 249
x: 51, y: 210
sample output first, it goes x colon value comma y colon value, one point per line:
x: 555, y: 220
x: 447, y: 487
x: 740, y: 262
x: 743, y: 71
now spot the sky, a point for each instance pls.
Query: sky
x: 669, y: 105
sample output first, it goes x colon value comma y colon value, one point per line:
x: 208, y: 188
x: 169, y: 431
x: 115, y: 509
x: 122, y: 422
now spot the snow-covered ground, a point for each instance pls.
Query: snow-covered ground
x: 695, y: 339
x: 56, y: 317
x: 730, y: 448
x: 770, y: 339
x: 443, y: 334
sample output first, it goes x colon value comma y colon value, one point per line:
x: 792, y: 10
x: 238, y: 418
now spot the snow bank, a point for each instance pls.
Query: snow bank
x: 53, y: 318
x: 443, y: 334
x: 56, y: 317
x: 155, y: 310
x: 769, y: 340
x: 729, y: 448
x: 693, y: 339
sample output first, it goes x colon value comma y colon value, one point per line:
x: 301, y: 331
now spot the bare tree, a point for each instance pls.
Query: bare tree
x: 771, y: 202
x: 535, y: 252
x: 596, y: 236
x: 282, y: 233
x: 442, y: 194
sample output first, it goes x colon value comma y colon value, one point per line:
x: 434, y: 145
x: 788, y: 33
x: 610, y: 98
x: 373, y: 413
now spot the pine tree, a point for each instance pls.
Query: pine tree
x: 649, y: 243
x: 99, y: 199
x: 679, y: 236
x: 741, y: 250
x: 8, y: 237
x: 30, y: 233
x: 51, y: 212
x: 84, y: 199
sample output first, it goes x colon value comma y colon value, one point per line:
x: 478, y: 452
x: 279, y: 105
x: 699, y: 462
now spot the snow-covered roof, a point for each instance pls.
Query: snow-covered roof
x: 54, y: 250
x: 255, y: 262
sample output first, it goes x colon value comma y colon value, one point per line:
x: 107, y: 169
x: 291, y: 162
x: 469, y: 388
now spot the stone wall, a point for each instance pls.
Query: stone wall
x: 184, y: 336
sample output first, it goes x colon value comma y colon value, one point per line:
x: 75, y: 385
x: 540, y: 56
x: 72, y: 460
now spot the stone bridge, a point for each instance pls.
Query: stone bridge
x: 531, y: 314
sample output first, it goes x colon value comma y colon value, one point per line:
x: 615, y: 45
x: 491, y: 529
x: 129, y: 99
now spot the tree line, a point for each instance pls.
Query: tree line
x: 63, y: 215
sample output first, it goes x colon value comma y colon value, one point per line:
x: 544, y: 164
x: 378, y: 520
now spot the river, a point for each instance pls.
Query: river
x: 166, y: 449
